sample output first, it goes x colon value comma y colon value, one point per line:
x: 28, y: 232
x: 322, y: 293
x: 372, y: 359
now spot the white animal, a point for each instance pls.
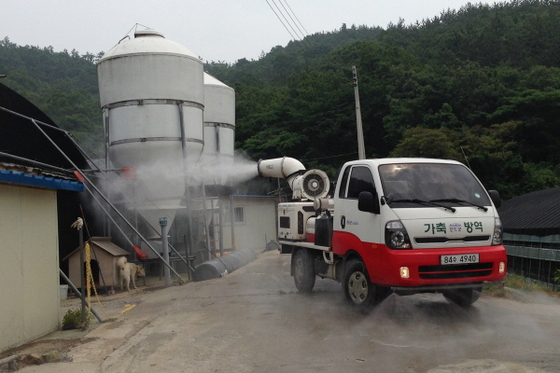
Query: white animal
x: 121, y: 261
x: 128, y: 272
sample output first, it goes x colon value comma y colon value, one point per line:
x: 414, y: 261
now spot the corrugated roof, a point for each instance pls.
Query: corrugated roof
x: 536, y: 213
x: 39, y: 181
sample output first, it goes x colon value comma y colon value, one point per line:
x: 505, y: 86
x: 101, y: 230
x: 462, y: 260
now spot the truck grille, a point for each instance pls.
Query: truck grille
x: 440, y: 272
x: 445, y: 239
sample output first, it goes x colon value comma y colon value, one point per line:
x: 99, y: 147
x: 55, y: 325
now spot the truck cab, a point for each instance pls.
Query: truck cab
x: 419, y: 225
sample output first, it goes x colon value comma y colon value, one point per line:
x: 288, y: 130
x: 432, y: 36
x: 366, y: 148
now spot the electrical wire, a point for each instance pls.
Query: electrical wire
x: 287, y: 25
x: 329, y: 157
x: 289, y: 15
x: 289, y: 7
x: 280, y: 19
x: 286, y: 19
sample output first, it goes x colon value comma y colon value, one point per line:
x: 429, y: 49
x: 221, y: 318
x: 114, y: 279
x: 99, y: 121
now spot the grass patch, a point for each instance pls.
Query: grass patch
x: 518, y: 282
x: 73, y: 320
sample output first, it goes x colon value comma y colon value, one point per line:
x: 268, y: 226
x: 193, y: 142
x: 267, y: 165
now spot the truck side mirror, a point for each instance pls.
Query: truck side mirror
x: 367, y: 202
x: 495, y: 197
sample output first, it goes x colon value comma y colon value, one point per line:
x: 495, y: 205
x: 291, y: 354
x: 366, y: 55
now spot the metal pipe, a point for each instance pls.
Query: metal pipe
x: 220, y: 224
x: 284, y: 167
x: 158, y: 233
x: 185, y: 178
x: 35, y: 162
x: 190, y: 257
x: 122, y: 232
x: 165, y: 248
x: 82, y: 275
x: 78, y: 293
x: 9, y: 359
x: 232, y: 219
x: 34, y: 120
x: 128, y: 223
x: 219, y: 240
x: 206, y: 226
x: 107, y: 214
x: 106, y: 123
x: 178, y: 254
x: 105, y: 198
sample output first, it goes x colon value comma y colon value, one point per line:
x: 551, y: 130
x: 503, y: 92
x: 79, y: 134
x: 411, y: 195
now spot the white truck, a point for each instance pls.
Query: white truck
x: 402, y: 225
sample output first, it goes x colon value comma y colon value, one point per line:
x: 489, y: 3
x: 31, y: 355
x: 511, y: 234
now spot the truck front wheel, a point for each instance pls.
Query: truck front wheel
x: 358, y: 290
x: 304, y: 270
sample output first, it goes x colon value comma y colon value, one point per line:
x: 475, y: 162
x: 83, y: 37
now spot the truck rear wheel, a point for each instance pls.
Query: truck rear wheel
x: 304, y: 270
x: 462, y: 297
x: 358, y: 290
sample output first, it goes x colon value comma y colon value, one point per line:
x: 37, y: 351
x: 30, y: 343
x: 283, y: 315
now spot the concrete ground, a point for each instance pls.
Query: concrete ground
x: 253, y: 320
x: 56, y: 347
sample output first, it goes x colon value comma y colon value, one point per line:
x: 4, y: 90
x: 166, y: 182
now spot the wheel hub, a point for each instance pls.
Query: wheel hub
x: 358, y: 287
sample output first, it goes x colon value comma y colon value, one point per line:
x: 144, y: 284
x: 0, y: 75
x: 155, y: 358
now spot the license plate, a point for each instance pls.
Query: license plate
x: 459, y: 259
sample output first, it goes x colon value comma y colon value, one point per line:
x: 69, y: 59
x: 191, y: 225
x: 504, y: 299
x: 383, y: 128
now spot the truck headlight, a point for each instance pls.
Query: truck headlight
x: 498, y: 232
x: 396, y: 236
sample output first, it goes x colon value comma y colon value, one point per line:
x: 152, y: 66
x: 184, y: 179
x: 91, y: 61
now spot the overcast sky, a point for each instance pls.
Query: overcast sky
x: 215, y: 30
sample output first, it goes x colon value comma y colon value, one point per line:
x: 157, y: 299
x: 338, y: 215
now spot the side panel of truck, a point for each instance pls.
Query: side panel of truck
x: 350, y: 224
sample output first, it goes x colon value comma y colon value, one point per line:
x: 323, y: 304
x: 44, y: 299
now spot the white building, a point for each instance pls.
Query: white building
x: 33, y: 176
x: 29, y: 274
x: 254, y: 221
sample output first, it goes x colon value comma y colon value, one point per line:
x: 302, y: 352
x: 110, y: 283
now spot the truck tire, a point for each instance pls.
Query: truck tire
x: 304, y: 271
x: 358, y: 289
x: 462, y: 297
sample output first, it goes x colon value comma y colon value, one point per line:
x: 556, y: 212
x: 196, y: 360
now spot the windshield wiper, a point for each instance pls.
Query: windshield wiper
x: 422, y: 202
x: 456, y: 200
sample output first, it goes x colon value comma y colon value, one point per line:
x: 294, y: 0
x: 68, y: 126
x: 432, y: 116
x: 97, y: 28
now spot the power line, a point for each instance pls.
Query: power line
x: 290, y: 23
x: 286, y: 23
x: 329, y: 157
x: 280, y: 19
x: 290, y: 8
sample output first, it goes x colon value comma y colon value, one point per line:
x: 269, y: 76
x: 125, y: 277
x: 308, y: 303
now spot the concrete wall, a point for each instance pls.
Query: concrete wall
x: 29, y: 279
x: 259, y: 226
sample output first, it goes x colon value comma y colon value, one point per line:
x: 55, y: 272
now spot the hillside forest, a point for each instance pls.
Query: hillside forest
x: 480, y: 84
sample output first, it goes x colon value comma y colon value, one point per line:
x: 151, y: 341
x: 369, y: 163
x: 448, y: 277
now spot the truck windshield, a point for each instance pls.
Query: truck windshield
x: 445, y: 184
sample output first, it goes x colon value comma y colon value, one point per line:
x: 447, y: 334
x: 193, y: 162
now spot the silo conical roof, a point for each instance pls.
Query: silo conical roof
x: 147, y: 42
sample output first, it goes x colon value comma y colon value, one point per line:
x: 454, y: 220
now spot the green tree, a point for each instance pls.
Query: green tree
x: 427, y: 143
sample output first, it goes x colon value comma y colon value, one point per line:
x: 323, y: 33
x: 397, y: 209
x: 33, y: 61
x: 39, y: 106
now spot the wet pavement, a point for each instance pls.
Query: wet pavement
x: 253, y: 320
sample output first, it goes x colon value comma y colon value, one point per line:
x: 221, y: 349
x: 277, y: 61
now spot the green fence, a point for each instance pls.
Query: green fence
x: 538, y: 263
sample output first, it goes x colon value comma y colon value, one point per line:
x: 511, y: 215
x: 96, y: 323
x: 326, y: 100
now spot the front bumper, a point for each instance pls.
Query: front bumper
x: 424, y: 271
x: 409, y: 290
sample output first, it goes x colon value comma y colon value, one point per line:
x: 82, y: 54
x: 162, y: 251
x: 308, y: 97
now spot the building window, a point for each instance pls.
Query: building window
x: 238, y: 215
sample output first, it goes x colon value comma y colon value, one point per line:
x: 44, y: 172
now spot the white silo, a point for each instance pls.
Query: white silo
x: 152, y: 93
x: 219, y: 128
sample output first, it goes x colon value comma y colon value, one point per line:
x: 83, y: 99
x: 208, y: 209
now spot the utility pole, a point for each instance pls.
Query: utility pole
x: 360, y: 132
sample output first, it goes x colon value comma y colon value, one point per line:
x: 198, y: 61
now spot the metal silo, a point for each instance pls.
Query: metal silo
x: 152, y: 93
x: 219, y: 127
